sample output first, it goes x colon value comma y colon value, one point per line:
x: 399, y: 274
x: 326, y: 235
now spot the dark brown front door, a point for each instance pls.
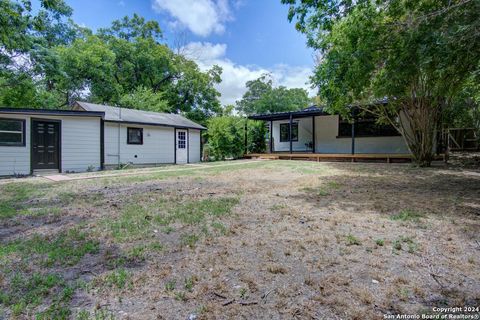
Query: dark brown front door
x: 45, y: 144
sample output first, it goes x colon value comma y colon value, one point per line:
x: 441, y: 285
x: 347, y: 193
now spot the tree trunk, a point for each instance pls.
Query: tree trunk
x: 418, y: 119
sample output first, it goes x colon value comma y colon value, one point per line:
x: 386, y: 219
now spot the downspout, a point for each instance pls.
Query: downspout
x: 313, y: 134
x: 271, y: 136
x: 290, y: 132
x: 246, y: 137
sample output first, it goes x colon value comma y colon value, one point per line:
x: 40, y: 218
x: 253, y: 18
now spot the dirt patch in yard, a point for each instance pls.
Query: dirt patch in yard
x: 272, y: 239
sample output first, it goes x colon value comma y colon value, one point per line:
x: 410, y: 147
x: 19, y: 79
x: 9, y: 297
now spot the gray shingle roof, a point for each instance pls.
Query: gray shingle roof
x: 139, y: 116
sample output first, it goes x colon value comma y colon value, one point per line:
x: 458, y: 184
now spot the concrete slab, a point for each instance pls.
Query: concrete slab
x: 57, y: 177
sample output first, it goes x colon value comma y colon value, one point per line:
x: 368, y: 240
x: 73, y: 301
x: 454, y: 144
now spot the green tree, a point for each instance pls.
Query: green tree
x: 418, y: 54
x: 132, y: 28
x: 48, y: 61
x: 226, y: 137
x: 28, y: 65
x: 145, y: 99
x: 127, y: 61
x: 262, y: 97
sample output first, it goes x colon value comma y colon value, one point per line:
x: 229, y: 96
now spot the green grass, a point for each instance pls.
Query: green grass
x: 170, y: 285
x: 193, y: 212
x: 398, y: 243
x: 189, y: 240
x: 26, y: 292
x: 180, y: 296
x: 352, y: 240
x: 119, y: 279
x: 137, y: 253
x: 407, y: 215
x: 189, y: 283
x: 325, y: 189
x: 65, y: 249
x: 137, y: 221
x: 380, y: 242
x: 132, y: 223
x: 95, y: 315
x: 220, y: 227
x: 13, y: 196
x: 168, y: 229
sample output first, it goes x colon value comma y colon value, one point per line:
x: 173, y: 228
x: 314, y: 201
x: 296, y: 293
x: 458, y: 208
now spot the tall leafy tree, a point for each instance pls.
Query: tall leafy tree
x: 128, y: 61
x: 262, y: 97
x: 28, y: 65
x: 418, y: 54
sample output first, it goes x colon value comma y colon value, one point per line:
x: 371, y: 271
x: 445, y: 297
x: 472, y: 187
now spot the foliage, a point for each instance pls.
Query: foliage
x: 226, y: 137
x: 262, y: 97
x: 27, y: 63
x: 145, y: 99
x: 418, y: 54
x: 47, y: 61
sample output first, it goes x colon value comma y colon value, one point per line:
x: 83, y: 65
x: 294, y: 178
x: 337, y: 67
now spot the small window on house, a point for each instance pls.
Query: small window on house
x: 284, y: 132
x: 12, y: 132
x: 134, y: 135
x: 182, y: 140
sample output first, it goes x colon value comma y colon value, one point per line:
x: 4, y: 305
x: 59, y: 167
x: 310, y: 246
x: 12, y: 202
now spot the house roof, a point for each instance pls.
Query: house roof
x: 117, y: 114
x: 307, y: 112
x: 51, y: 112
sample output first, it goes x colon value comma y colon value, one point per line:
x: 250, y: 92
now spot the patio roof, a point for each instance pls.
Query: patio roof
x: 308, y: 112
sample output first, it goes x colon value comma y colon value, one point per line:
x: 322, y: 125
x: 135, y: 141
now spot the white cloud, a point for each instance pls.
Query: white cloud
x: 235, y: 76
x: 202, y: 17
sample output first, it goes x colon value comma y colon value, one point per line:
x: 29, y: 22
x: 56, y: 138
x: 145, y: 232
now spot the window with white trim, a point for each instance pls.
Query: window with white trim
x: 12, y: 132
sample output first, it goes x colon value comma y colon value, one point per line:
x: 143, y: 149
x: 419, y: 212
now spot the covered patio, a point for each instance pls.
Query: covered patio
x: 313, y: 134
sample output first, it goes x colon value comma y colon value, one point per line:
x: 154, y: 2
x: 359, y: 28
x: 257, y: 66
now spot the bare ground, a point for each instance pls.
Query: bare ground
x: 261, y: 240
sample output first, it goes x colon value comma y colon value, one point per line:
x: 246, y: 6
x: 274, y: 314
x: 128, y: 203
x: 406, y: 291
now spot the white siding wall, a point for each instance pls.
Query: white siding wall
x: 194, y: 144
x: 16, y: 160
x: 158, y: 145
x: 326, y: 140
x: 304, y: 135
x: 80, y: 144
x: 80, y: 147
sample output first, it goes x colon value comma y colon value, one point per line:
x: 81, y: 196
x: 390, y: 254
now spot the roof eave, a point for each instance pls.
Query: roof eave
x: 156, y: 124
x: 53, y: 112
x: 286, y: 115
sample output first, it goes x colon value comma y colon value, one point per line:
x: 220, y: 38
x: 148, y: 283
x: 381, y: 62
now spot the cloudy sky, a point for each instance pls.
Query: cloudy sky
x: 245, y: 37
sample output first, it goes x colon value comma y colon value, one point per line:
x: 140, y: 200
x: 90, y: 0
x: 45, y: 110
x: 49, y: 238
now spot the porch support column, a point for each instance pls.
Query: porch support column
x: 246, y: 136
x: 271, y: 136
x: 353, y: 136
x: 313, y: 134
x: 290, y: 132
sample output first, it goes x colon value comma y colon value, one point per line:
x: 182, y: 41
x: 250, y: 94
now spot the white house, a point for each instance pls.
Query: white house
x: 93, y: 137
x: 315, y: 131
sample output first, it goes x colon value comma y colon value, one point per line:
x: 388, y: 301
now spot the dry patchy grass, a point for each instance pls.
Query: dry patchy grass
x: 268, y: 239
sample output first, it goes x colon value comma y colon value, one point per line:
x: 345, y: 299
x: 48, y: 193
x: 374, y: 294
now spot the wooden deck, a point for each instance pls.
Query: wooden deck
x: 332, y: 157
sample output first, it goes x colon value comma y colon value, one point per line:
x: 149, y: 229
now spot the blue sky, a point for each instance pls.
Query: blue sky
x: 245, y: 37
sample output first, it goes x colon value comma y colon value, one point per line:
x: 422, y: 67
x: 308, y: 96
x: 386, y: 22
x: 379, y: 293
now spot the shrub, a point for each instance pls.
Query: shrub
x: 226, y: 137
